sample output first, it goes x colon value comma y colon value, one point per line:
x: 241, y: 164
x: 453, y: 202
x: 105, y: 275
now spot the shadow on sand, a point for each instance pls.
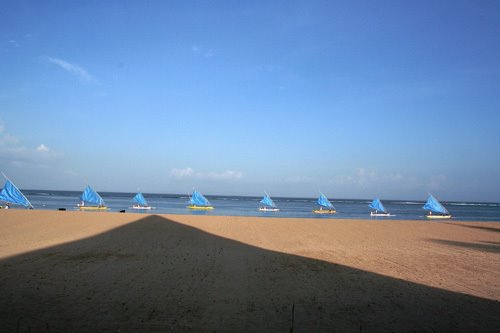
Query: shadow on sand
x: 157, y: 275
x: 492, y: 247
x: 481, y: 227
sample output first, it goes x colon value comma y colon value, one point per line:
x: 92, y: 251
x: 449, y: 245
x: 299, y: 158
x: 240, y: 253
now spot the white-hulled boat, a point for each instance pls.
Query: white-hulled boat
x: 378, y: 209
x: 268, y: 204
x: 140, y: 202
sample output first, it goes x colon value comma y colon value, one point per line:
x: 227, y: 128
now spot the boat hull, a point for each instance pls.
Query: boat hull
x: 380, y: 214
x: 142, y: 207
x: 266, y: 209
x: 438, y: 217
x: 324, y: 211
x: 200, y: 207
x: 92, y: 207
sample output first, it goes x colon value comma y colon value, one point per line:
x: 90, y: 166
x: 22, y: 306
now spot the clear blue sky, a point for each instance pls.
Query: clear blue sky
x: 355, y: 99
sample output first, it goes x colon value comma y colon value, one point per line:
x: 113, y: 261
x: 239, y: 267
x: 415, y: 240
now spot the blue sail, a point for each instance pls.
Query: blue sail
x: 377, y: 205
x: 91, y: 196
x: 323, y: 201
x: 266, y: 200
x: 198, y: 199
x: 12, y: 195
x: 139, y: 198
x: 434, y: 206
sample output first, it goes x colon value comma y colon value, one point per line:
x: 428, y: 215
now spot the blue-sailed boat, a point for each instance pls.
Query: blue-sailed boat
x: 141, y: 202
x: 325, y: 206
x: 198, y: 201
x: 378, y: 208
x: 436, y: 209
x: 89, y: 196
x: 11, y: 195
x: 268, y: 204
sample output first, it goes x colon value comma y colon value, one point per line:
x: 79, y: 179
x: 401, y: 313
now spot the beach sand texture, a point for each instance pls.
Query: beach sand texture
x: 112, y: 272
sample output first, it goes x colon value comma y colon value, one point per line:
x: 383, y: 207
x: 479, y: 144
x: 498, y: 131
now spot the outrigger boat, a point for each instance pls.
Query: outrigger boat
x: 11, y: 195
x: 199, y: 202
x: 436, y: 209
x: 141, y: 202
x: 325, y: 206
x: 378, y: 208
x: 92, y: 197
x: 268, y: 204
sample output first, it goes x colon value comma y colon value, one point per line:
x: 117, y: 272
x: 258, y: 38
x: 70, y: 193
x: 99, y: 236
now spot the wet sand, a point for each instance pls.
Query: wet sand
x: 82, y: 271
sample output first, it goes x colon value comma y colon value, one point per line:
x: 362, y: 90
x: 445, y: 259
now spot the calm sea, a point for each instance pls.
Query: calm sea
x: 248, y: 206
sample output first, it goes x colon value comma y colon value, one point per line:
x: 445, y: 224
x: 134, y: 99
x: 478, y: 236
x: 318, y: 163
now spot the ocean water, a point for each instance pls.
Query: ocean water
x: 248, y: 206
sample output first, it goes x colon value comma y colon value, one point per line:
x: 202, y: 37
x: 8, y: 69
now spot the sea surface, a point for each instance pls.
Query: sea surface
x: 248, y: 206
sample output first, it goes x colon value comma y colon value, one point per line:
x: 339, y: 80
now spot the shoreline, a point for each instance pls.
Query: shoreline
x: 264, y: 215
x: 391, y: 274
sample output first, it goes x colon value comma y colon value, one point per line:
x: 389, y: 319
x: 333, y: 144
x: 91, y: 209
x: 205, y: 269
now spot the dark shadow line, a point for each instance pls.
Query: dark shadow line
x: 474, y: 226
x: 493, y: 248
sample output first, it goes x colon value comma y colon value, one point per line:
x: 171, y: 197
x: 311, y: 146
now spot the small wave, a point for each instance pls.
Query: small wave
x: 463, y: 204
x: 472, y: 204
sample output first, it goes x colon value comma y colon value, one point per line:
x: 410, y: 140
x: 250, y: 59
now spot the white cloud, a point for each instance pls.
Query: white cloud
x: 182, y: 173
x: 8, y: 140
x: 13, y: 42
x: 73, y: 69
x: 14, y: 153
x: 42, y: 148
x: 209, y: 54
x: 198, y: 50
x: 364, y: 178
x: 190, y: 173
x: 228, y: 174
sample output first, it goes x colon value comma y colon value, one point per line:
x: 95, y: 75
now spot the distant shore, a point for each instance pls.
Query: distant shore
x: 78, y: 271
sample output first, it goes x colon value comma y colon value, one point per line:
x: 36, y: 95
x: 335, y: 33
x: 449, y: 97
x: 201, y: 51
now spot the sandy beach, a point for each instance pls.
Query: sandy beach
x: 112, y: 272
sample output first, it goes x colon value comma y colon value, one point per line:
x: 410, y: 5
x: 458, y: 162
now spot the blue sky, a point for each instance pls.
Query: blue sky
x: 355, y: 99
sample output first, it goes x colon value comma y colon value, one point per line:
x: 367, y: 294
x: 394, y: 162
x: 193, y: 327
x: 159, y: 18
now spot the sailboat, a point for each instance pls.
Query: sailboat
x: 268, y: 204
x: 436, y: 209
x: 92, y: 197
x: 325, y: 206
x: 11, y: 195
x: 141, y: 202
x: 378, y: 208
x: 198, y: 201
